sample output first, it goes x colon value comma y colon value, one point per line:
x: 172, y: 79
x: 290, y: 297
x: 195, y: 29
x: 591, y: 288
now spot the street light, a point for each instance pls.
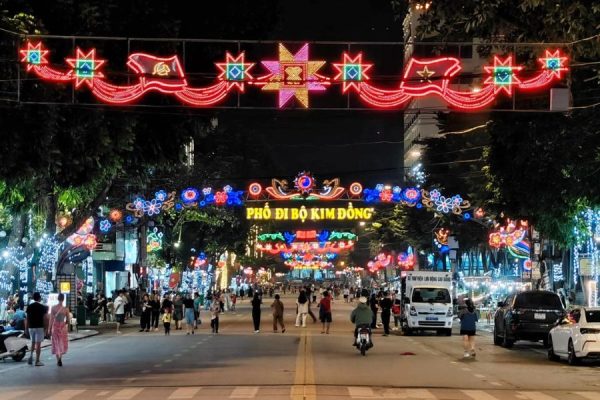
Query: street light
x: 177, y: 244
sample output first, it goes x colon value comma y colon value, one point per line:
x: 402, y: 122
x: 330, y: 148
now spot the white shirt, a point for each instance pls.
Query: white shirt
x: 119, y: 305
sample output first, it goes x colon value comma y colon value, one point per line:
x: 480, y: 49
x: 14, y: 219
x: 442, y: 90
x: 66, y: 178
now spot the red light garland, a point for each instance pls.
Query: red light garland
x: 294, y: 75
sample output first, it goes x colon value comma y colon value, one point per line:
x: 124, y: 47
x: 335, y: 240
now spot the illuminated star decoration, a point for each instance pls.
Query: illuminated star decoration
x: 293, y: 75
x: 503, y: 75
x: 234, y: 71
x: 34, y: 55
x: 426, y: 74
x: 351, y: 72
x: 554, y: 62
x: 85, y: 67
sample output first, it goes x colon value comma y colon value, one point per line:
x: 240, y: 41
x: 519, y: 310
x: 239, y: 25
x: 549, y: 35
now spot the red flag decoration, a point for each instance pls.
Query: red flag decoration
x: 164, y: 74
x: 429, y: 76
x: 174, y: 280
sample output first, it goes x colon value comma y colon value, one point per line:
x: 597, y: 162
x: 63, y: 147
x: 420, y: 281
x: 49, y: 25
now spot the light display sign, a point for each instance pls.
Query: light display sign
x: 294, y: 75
x: 303, y: 213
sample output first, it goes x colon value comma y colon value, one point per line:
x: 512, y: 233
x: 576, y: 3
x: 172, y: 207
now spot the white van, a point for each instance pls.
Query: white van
x: 428, y: 302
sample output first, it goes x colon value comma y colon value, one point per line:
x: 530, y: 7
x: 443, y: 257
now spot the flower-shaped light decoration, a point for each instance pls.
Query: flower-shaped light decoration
x: 227, y: 189
x: 152, y: 207
x: 138, y: 203
x: 221, y: 198
x: 435, y: 194
x: 411, y: 195
x: 105, y: 226
x: 444, y: 204
x: 190, y: 195
x: 206, y: 191
x: 457, y: 200
x: 115, y: 215
x: 161, y: 195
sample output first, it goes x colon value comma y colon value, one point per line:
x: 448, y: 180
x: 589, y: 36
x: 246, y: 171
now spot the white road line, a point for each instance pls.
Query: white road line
x: 64, y: 395
x: 360, y: 392
x: 244, y: 392
x: 479, y: 376
x: 589, y: 395
x: 168, y: 361
x: 157, y: 366
x: 184, y: 393
x: 496, y: 383
x: 466, y: 369
x: 420, y: 394
x: 125, y: 394
x: 103, y: 393
x: 478, y: 395
x: 178, y: 355
x: 129, y: 380
x: 13, y: 395
x: 536, y: 396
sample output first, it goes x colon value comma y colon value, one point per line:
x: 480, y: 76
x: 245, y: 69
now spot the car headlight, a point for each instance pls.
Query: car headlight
x: 449, y: 313
x: 413, y: 311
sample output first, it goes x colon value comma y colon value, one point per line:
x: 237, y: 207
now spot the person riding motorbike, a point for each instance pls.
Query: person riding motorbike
x: 361, y: 317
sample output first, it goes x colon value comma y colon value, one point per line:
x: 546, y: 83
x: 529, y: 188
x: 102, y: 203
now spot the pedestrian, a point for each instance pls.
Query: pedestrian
x: 277, y: 308
x: 302, y: 308
x: 190, y: 314
x: 386, y: 312
x: 37, y: 325
x: 256, y: 302
x: 373, y: 305
x: 178, y: 312
x: 146, y: 314
x: 242, y: 294
x: 233, y: 301
x: 227, y: 298
x: 167, y: 318
x: 346, y: 294
x: 397, y: 313
x: 214, y: 317
x: 119, y: 305
x: 59, y: 317
x: 155, y: 313
x: 197, y: 307
x: 208, y: 300
x: 325, y: 312
x: 468, y: 326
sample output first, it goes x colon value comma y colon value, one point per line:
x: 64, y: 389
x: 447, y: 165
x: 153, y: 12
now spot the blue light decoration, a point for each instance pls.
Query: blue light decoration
x: 154, y: 241
x: 587, y: 241
x: 162, y: 201
x: 416, y: 197
x: 105, y: 226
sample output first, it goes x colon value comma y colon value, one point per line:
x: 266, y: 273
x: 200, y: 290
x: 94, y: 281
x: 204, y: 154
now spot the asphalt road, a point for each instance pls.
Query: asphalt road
x: 302, y: 363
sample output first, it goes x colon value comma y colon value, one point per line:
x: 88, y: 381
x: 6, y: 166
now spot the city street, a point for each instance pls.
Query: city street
x: 299, y: 364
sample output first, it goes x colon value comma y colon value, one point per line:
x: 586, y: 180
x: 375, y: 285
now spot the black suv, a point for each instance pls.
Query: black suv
x: 526, y: 316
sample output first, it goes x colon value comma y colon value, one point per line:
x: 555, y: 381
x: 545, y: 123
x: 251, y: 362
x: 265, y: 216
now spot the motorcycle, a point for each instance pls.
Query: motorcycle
x: 13, y: 345
x: 363, y: 339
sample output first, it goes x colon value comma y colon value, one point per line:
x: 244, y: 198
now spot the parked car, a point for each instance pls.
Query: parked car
x: 526, y: 316
x: 577, y: 336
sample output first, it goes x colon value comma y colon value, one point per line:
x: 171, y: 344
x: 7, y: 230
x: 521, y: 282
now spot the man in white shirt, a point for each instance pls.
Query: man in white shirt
x: 119, y: 305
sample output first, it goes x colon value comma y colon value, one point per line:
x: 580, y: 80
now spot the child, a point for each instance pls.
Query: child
x: 167, y: 317
x: 233, y: 301
x: 215, y: 309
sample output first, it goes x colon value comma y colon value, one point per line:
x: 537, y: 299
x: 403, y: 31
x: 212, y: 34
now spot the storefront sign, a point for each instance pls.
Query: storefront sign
x: 303, y: 213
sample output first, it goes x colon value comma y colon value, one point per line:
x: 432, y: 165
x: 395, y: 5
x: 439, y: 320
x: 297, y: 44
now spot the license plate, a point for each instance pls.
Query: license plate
x: 539, y: 316
x: 431, y: 318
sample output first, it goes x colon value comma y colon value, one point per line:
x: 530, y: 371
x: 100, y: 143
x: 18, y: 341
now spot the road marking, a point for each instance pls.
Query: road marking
x: 536, y: 396
x: 496, y: 383
x: 466, y: 369
x: 304, y: 380
x: 178, y: 355
x: 168, y: 361
x: 157, y: 366
x: 13, y: 395
x: 244, y: 392
x: 103, y: 393
x: 361, y: 392
x: 478, y: 395
x: 479, y: 376
x: 184, y: 393
x: 589, y: 395
x: 125, y: 394
x: 64, y: 395
x: 129, y: 380
x: 420, y: 394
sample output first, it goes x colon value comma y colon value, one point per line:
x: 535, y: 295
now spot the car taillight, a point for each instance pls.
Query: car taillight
x: 585, y: 331
x: 413, y: 311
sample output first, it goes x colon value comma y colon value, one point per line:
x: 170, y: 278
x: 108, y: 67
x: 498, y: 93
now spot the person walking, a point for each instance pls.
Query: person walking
x: 397, y: 313
x: 256, y: 302
x: 190, y: 314
x: 325, y: 312
x: 215, y: 309
x: 386, y: 312
x: 119, y: 305
x: 178, y: 312
x: 277, y: 308
x: 302, y: 308
x: 468, y: 327
x: 59, y: 317
x: 37, y: 325
x: 155, y: 313
x: 346, y: 294
x: 197, y: 307
x: 373, y: 305
x: 146, y: 314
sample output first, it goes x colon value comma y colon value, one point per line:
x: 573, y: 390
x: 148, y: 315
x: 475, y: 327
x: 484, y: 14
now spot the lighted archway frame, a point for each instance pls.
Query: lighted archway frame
x: 306, y: 242
x: 295, y: 76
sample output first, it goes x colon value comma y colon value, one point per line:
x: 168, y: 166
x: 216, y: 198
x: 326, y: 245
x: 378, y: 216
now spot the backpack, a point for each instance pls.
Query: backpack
x: 396, y: 309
